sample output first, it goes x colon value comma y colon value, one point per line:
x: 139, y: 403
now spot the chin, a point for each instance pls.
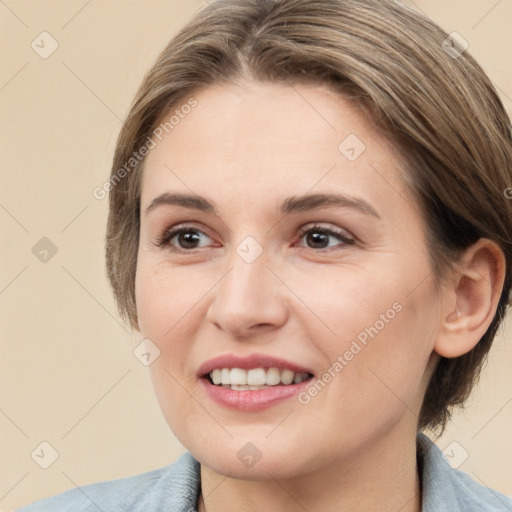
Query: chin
x: 254, y: 457
x: 273, y: 466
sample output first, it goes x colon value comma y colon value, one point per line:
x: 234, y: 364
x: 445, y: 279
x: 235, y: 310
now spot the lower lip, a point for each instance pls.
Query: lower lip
x: 247, y: 400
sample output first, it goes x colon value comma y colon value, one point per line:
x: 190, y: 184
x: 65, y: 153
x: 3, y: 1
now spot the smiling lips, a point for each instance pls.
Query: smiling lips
x: 252, y: 383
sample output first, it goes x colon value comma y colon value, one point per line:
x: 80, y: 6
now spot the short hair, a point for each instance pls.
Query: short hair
x: 416, y: 83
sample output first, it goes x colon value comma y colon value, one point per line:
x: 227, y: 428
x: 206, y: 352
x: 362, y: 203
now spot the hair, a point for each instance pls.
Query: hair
x: 438, y: 107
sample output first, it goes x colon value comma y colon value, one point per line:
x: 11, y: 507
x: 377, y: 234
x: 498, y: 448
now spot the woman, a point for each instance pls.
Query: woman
x: 309, y: 228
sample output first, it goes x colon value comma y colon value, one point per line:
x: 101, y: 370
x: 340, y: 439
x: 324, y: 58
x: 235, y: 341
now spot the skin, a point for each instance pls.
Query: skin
x: 352, y: 447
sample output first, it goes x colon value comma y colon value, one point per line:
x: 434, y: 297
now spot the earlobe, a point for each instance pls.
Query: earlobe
x: 476, y: 291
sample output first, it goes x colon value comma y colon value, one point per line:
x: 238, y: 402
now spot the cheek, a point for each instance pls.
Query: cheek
x: 169, y: 312
x: 382, y: 330
x: 385, y: 377
x: 172, y: 394
x: 166, y: 297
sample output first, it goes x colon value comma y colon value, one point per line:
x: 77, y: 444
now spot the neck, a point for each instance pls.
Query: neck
x: 381, y: 476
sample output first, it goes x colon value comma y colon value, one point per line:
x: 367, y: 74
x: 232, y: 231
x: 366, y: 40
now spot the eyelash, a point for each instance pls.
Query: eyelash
x: 165, y: 239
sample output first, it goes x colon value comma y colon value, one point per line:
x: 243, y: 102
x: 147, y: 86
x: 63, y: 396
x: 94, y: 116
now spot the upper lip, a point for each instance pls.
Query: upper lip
x: 249, y: 362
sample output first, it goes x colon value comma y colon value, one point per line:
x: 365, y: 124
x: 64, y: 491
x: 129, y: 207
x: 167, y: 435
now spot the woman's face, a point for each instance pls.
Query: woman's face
x: 271, y: 283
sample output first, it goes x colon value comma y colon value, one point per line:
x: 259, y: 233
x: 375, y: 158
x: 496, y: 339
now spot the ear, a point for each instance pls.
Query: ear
x: 472, y: 298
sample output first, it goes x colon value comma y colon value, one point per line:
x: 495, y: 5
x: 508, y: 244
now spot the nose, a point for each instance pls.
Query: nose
x: 249, y: 299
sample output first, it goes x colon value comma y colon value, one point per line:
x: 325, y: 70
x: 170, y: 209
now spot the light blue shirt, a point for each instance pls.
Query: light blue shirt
x: 175, y: 488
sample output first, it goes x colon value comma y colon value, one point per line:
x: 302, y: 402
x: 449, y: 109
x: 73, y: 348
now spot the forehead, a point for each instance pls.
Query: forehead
x: 262, y: 139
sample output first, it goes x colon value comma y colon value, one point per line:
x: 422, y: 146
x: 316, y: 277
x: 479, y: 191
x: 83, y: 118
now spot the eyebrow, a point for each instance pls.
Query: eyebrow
x: 289, y: 205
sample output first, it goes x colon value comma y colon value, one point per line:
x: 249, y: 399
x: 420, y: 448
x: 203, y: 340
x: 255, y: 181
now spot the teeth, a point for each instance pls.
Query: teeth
x: 299, y: 377
x: 238, y: 377
x: 287, y: 377
x: 255, y: 378
x: 224, y: 376
x: 273, y: 377
x: 216, y: 376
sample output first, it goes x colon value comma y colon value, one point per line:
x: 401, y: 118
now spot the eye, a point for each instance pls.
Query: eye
x: 318, y: 237
x: 187, y: 238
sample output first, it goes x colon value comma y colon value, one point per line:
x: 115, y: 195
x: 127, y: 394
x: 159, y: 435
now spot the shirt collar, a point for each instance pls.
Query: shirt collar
x: 445, y: 489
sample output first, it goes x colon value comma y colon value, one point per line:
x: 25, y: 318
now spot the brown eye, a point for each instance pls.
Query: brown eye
x: 318, y: 237
x: 182, y: 239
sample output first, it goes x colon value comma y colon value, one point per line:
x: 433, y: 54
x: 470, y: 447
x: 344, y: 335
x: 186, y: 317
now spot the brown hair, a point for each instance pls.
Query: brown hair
x: 438, y: 106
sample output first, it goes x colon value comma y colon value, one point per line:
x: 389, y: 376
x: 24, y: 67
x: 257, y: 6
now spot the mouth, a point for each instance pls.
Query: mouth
x: 252, y: 383
x: 255, y: 379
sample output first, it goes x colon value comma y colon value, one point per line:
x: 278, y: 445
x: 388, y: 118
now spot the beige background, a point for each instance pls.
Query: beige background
x: 68, y: 375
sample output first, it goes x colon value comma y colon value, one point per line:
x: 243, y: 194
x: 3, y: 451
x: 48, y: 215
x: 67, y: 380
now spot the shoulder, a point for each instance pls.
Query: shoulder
x: 447, y: 489
x: 174, y: 487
